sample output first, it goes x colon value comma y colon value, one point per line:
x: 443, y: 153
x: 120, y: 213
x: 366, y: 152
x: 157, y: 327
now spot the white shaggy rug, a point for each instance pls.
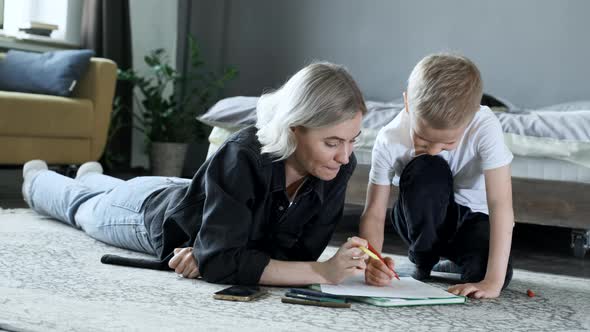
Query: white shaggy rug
x: 51, y: 279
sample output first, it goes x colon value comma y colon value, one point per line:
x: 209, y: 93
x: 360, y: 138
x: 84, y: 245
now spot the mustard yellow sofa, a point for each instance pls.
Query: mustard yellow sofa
x: 60, y: 130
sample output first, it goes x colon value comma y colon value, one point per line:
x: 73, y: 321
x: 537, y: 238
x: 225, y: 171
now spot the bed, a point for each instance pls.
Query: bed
x: 550, y: 170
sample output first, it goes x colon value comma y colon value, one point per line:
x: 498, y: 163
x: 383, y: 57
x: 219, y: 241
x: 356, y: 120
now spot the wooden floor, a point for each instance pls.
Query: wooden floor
x: 535, y: 248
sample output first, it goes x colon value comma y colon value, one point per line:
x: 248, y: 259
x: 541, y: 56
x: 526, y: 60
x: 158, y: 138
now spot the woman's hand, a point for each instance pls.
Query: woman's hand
x: 184, y: 263
x: 348, y: 261
x: 379, y: 274
x: 479, y: 290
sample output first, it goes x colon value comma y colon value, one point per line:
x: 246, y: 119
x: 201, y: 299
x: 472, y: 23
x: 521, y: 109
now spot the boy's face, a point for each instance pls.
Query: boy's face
x: 430, y: 140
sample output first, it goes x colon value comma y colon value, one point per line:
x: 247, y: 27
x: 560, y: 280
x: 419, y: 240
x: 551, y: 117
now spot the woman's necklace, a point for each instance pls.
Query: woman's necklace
x: 294, y: 187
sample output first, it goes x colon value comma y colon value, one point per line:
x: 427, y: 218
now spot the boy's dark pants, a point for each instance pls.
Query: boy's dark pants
x: 433, y: 225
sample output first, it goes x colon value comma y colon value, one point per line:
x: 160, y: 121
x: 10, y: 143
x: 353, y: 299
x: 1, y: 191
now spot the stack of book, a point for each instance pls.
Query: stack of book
x: 404, y: 292
x: 39, y: 28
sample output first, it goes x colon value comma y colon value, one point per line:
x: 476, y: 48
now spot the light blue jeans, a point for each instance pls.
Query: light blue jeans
x: 108, y: 209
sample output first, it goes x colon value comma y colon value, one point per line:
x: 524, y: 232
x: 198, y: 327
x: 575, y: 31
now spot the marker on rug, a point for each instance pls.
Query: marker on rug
x: 375, y: 255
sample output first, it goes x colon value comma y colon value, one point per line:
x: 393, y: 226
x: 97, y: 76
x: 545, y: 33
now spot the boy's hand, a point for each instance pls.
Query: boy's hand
x: 479, y: 290
x: 184, y: 263
x: 378, y: 274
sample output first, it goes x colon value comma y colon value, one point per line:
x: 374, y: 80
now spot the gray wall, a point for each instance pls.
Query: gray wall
x: 1, y: 12
x: 153, y: 25
x: 531, y: 52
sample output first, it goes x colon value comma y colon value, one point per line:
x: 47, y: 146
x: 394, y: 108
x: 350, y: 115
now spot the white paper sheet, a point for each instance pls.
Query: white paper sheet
x: 405, y: 288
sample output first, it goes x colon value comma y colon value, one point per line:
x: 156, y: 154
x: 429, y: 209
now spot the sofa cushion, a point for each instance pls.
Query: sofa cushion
x: 52, y: 73
x: 25, y: 114
x: 54, y: 150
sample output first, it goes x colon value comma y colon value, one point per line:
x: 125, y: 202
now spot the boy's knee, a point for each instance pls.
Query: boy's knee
x: 426, y: 179
x: 427, y: 172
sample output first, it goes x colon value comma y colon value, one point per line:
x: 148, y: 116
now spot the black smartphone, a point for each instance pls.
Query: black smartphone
x: 239, y: 293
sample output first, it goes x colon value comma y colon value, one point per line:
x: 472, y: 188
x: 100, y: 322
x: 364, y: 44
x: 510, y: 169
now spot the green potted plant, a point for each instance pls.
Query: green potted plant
x: 166, y: 117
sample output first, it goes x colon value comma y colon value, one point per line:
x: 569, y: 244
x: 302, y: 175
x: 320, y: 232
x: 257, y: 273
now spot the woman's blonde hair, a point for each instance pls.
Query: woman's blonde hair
x: 320, y: 95
x: 445, y: 90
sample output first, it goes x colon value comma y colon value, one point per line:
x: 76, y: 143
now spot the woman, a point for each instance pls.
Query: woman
x: 260, y: 211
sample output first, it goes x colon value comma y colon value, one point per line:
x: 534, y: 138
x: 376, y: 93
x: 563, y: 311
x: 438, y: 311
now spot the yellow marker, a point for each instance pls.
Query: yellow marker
x: 369, y: 252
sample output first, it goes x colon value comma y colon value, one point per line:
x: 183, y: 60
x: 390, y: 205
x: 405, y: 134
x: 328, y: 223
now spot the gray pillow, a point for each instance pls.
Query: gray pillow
x: 231, y: 113
x: 234, y: 113
x: 50, y: 73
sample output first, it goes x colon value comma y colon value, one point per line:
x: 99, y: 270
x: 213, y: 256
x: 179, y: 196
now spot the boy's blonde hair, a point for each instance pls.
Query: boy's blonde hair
x: 445, y: 90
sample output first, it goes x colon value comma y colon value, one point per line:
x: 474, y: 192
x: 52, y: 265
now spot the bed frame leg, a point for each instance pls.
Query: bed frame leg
x: 580, y: 243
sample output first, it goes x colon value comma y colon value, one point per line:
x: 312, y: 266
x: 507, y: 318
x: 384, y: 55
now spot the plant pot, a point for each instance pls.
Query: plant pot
x: 167, y: 159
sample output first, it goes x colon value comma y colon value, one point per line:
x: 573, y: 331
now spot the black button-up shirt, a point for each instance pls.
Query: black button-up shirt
x: 236, y: 214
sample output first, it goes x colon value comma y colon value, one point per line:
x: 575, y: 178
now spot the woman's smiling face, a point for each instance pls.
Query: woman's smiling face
x: 321, y: 151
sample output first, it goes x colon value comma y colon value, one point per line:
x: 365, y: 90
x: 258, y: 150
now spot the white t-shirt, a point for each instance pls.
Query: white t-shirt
x: 481, y: 148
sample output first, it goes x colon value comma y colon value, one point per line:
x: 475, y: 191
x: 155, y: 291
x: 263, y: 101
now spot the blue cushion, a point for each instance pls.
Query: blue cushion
x: 52, y: 73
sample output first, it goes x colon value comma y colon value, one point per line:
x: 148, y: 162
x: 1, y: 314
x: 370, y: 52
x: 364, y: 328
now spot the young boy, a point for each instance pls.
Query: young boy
x: 447, y: 155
